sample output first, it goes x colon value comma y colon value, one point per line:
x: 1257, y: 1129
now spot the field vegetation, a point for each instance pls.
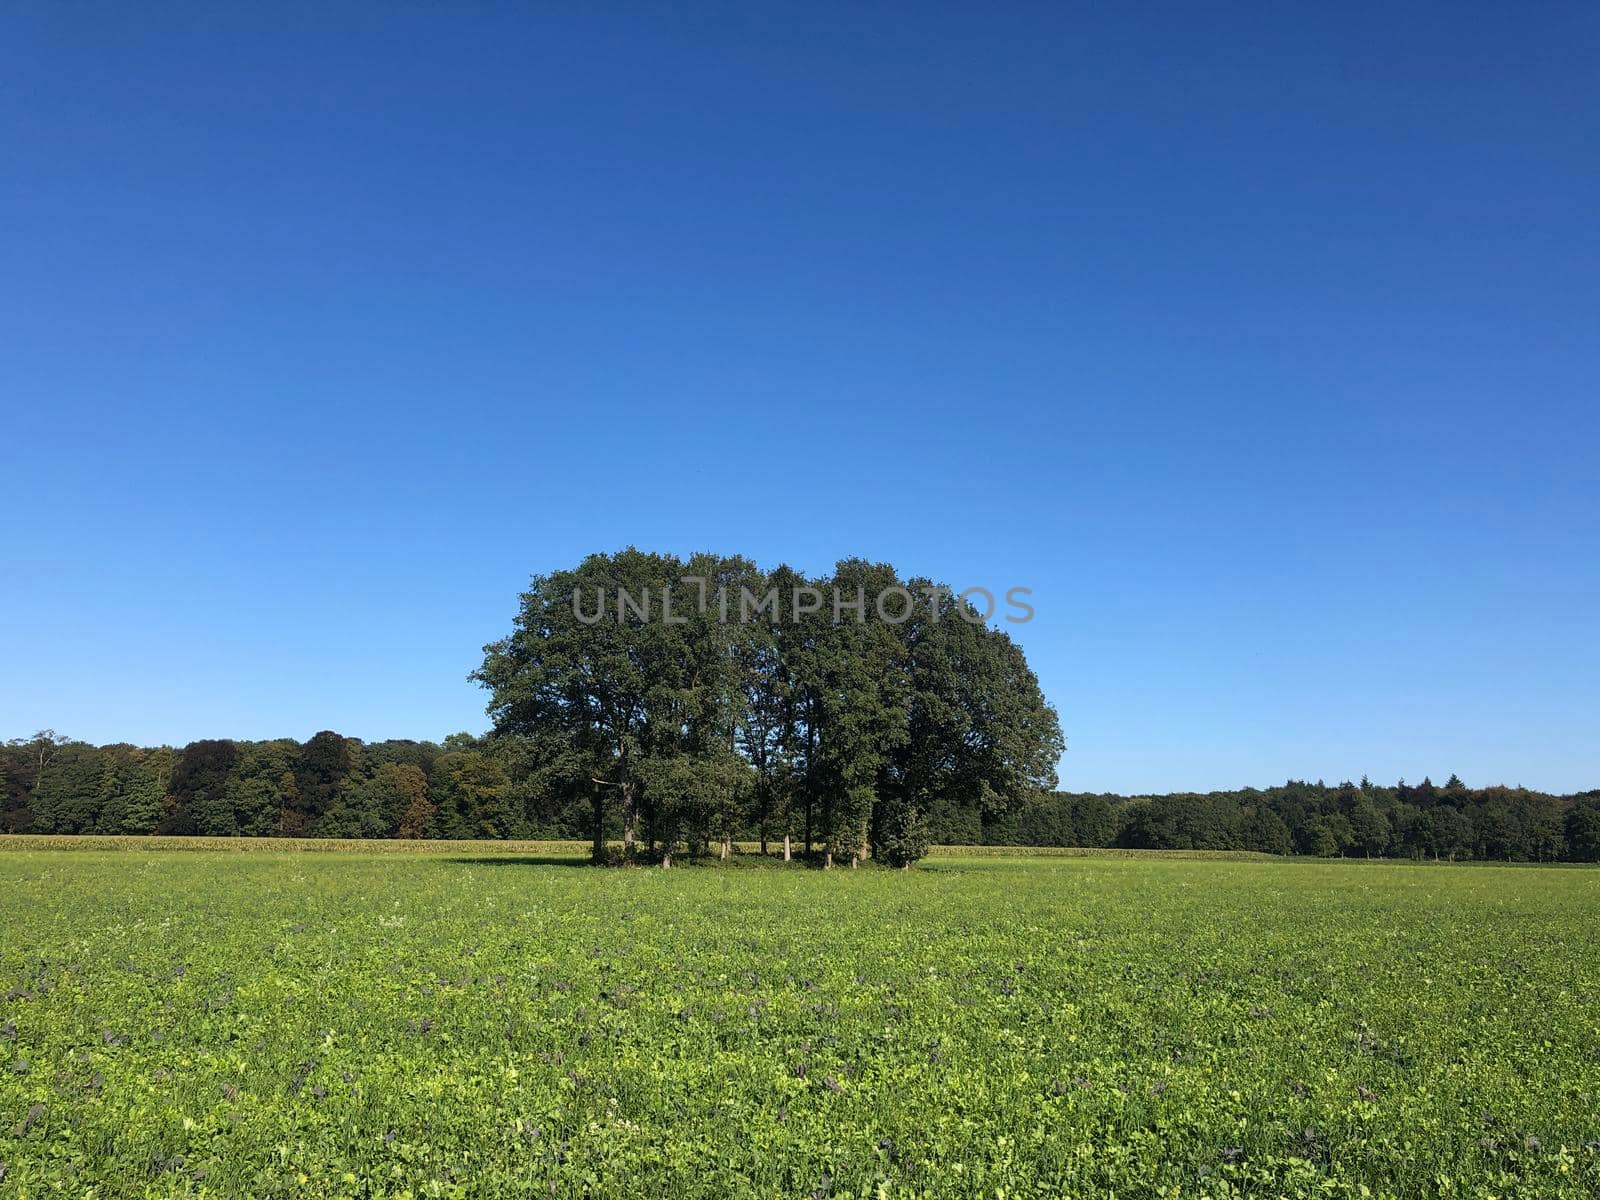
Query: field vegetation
x: 487, y: 1019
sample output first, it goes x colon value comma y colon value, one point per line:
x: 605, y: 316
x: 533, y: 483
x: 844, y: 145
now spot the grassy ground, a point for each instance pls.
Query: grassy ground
x: 468, y: 1021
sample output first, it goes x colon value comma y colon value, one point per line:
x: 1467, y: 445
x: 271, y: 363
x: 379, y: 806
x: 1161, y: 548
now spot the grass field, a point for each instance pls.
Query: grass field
x: 454, y: 1022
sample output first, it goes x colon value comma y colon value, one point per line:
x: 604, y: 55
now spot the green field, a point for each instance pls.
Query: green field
x: 455, y: 1022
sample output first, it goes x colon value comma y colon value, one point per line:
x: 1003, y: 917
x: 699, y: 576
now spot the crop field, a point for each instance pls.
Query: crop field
x: 453, y: 1022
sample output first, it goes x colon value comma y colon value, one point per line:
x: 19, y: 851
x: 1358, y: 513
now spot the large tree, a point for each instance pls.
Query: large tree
x: 591, y: 667
x: 980, y: 736
x: 702, y: 694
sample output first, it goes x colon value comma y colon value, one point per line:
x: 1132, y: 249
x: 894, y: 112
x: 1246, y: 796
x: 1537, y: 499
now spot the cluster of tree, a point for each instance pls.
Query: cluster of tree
x: 842, y: 711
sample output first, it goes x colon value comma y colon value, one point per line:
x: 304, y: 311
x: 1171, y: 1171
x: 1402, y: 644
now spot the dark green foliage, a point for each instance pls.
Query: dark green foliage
x: 1583, y: 828
x: 133, y: 788
x: 1261, y: 829
x: 470, y: 793
x: 261, y: 786
x: 827, y: 723
x: 324, y: 762
x: 900, y: 837
x: 198, y: 791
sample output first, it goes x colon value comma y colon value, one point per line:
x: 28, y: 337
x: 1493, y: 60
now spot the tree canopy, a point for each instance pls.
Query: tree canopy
x: 801, y: 702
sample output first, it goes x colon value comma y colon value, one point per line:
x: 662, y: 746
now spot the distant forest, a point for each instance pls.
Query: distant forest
x: 467, y: 787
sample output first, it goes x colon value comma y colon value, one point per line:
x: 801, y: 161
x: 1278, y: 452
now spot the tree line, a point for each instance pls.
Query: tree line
x: 1421, y: 821
x: 487, y: 787
x: 836, y: 728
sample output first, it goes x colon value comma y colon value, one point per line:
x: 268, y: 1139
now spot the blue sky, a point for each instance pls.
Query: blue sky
x: 1263, y: 343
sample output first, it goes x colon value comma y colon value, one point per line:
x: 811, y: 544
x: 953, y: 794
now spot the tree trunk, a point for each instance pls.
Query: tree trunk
x: 786, y: 847
x: 666, y: 859
x: 630, y: 818
x: 722, y: 849
x: 599, y: 823
x: 854, y: 860
x: 827, y: 861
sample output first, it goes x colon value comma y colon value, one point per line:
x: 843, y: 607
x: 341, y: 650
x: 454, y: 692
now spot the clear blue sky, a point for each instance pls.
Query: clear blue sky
x: 1262, y: 342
